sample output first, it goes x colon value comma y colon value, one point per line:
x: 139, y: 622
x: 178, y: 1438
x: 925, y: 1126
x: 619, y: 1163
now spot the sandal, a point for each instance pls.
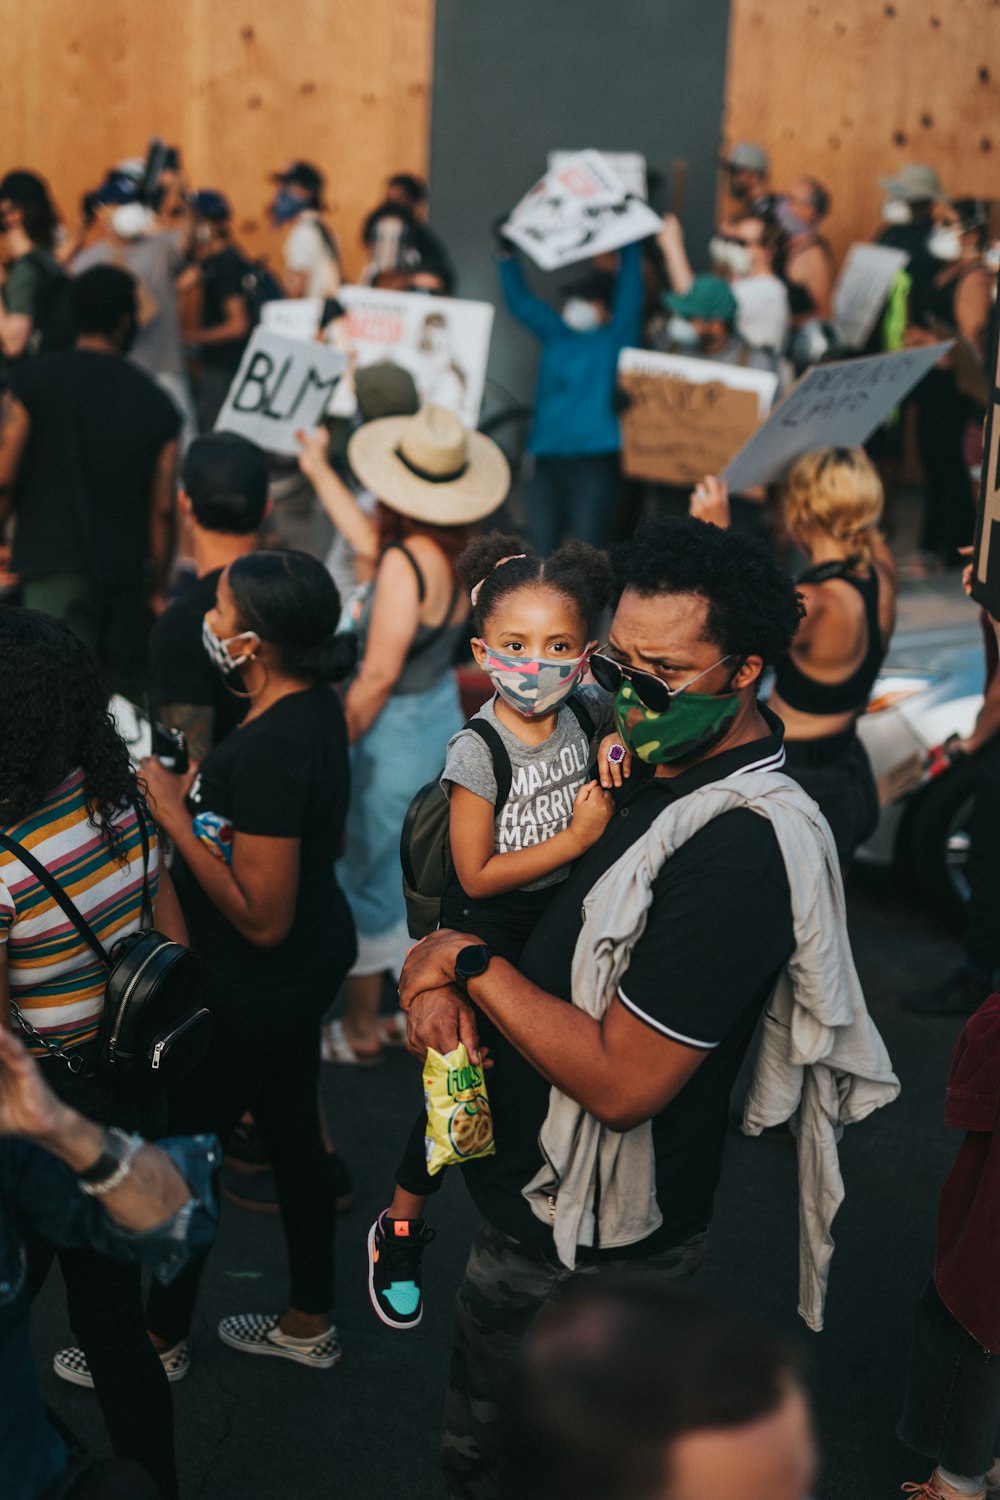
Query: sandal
x: 335, y: 1048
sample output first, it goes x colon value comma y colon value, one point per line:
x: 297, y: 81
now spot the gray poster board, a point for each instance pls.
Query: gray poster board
x: 835, y: 405
x: 282, y: 384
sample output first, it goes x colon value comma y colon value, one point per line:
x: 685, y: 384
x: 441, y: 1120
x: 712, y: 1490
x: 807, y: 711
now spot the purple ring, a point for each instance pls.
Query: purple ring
x: 616, y: 754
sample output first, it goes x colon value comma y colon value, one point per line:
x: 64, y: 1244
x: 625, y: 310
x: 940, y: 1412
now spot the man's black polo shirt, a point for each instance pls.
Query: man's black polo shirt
x: 718, y: 934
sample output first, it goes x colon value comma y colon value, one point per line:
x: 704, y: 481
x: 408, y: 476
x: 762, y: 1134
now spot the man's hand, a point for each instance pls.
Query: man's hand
x: 613, y: 768
x: 431, y: 964
x: 28, y: 1107
x: 442, y: 1018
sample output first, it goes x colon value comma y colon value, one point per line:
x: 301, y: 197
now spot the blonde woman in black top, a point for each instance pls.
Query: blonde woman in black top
x: 833, y: 508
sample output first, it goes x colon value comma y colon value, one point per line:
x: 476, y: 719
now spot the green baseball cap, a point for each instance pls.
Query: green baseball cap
x: 709, y: 297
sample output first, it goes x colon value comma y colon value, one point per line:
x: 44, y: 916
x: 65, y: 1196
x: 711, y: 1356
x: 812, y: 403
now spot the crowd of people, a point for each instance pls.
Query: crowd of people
x: 638, y: 719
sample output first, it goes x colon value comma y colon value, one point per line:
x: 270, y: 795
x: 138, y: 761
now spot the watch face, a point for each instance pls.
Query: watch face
x: 472, y: 961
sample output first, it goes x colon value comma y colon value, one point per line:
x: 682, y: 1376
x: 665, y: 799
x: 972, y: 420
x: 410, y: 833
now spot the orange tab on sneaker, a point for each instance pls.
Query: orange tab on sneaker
x: 401, y: 1227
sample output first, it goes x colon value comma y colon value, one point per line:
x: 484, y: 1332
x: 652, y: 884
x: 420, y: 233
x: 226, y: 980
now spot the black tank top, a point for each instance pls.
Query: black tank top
x: 804, y: 693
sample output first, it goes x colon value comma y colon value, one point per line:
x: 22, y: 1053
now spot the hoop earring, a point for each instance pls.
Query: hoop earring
x: 240, y: 693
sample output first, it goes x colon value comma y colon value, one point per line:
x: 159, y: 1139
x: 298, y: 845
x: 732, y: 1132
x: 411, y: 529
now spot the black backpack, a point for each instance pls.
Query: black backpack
x: 53, y: 321
x: 153, y: 1029
x: 425, y: 843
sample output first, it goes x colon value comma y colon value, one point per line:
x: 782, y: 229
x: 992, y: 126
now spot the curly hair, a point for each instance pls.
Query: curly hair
x: 753, y: 608
x: 579, y: 572
x: 56, y: 705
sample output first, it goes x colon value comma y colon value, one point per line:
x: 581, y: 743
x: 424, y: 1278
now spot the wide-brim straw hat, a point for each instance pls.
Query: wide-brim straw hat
x: 430, y: 467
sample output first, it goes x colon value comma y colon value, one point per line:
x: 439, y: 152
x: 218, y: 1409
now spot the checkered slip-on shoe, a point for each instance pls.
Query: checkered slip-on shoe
x: 71, y: 1364
x: 258, y: 1333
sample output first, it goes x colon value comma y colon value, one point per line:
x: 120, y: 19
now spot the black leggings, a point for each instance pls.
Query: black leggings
x: 265, y: 1059
x: 504, y: 923
x: 104, y: 1302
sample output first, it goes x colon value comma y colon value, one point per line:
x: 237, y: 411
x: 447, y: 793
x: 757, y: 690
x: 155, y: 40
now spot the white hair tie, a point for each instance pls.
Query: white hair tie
x: 514, y: 556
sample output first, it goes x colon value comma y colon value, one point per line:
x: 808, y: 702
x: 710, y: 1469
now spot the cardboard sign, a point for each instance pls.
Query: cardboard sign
x: 293, y: 317
x: 687, y: 417
x: 629, y: 167
x: 282, y: 384
x: 444, y: 342
x: 861, y: 289
x: 834, y: 405
x: 986, y: 554
x: 579, y: 210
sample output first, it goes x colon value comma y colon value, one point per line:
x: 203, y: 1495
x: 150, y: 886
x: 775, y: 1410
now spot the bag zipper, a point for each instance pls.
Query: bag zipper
x: 128, y: 991
x: 157, y: 1050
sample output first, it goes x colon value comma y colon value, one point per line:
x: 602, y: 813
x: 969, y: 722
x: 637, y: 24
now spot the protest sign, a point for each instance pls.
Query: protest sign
x: 834, y: 405
x: 629, y: 167
x: 861, y: 289
x: 444, y: 342
x: 293, y: 317
x: 986, y: 554
x: 282, y: 384
x: 687, y: 417
x: 579, y: 210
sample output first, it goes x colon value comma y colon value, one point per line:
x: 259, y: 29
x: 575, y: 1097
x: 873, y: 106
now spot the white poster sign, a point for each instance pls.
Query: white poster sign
x: 293, y: 317
x: 834, y: 405
x: 861, y: 290
x: 629, y: 166
x: 579, y: 210
x: 444, y: 342
x: 282, y: 384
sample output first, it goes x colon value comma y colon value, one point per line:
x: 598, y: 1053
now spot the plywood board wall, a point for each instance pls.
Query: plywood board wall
x: 850, y: 90
x: 243, y: 86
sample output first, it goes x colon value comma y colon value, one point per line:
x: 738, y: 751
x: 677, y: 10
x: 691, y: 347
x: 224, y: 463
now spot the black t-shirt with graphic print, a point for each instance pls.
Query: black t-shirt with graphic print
x: 718, y: 933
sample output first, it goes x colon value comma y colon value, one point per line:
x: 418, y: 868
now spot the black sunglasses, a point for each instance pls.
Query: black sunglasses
x: 650, y: 689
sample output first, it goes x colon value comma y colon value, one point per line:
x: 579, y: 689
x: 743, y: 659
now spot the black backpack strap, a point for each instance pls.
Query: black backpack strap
x: 56, y: 891
x: 581, y: 714
x: 498, y: 754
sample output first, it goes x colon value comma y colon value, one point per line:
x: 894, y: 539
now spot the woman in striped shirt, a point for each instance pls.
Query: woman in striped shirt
x: 69, y: 795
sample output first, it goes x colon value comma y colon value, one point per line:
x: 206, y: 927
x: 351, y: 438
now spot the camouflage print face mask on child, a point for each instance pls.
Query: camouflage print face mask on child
x: 531, y: 685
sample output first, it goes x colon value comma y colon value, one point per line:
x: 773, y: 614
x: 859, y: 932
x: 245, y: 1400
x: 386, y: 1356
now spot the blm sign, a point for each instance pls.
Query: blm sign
x: 282, y: 384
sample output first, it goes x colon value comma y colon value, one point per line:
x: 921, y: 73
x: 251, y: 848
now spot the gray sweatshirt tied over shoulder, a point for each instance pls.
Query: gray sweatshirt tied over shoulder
x: 821, y: 1063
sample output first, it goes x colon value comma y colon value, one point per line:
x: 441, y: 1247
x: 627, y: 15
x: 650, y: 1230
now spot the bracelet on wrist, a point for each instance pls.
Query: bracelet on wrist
x: 114, y: 1163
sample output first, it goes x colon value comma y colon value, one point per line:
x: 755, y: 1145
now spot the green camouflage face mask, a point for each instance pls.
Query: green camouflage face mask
x: 692, y: 724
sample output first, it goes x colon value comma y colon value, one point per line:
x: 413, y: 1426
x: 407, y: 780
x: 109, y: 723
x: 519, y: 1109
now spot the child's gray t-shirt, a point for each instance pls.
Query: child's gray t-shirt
x: 544, y: 778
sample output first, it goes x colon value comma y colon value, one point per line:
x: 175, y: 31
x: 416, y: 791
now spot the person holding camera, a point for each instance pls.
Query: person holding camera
x: 70, y: 798
x: 255, y: 834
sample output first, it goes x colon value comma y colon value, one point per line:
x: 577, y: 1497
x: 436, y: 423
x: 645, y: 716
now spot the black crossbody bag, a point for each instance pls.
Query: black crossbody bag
x: 152, y: 1030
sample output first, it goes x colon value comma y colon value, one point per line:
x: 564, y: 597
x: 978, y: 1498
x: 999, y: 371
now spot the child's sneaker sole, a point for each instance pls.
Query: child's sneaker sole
x: 251, y: 1333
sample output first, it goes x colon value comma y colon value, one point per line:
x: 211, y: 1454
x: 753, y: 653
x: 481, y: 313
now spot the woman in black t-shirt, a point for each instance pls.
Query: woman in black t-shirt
x: 256, y: 832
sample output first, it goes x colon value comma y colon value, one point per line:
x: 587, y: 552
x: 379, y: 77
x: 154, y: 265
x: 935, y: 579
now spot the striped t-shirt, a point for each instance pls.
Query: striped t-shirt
x: 56, y: 980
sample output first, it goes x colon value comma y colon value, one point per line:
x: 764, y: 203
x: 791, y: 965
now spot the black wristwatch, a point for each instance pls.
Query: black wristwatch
x: 471, y: 962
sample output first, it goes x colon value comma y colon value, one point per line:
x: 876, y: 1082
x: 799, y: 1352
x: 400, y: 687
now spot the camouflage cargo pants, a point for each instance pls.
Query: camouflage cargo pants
x: 505, y: 1287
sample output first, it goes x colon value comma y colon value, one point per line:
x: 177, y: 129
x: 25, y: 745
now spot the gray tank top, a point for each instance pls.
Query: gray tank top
x: 432, y: 652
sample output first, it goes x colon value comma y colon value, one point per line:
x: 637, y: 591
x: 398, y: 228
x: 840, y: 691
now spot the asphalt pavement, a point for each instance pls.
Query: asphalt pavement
x: 367, y: 1430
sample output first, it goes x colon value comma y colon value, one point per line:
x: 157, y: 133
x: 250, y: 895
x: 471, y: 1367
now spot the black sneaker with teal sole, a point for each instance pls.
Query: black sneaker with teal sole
x: 395, y: 1250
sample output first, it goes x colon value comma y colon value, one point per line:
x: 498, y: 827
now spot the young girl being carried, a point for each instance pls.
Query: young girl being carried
x: 533, y: 624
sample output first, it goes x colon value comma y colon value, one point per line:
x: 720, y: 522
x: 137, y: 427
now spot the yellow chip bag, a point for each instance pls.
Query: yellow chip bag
x: 459, y: 1123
